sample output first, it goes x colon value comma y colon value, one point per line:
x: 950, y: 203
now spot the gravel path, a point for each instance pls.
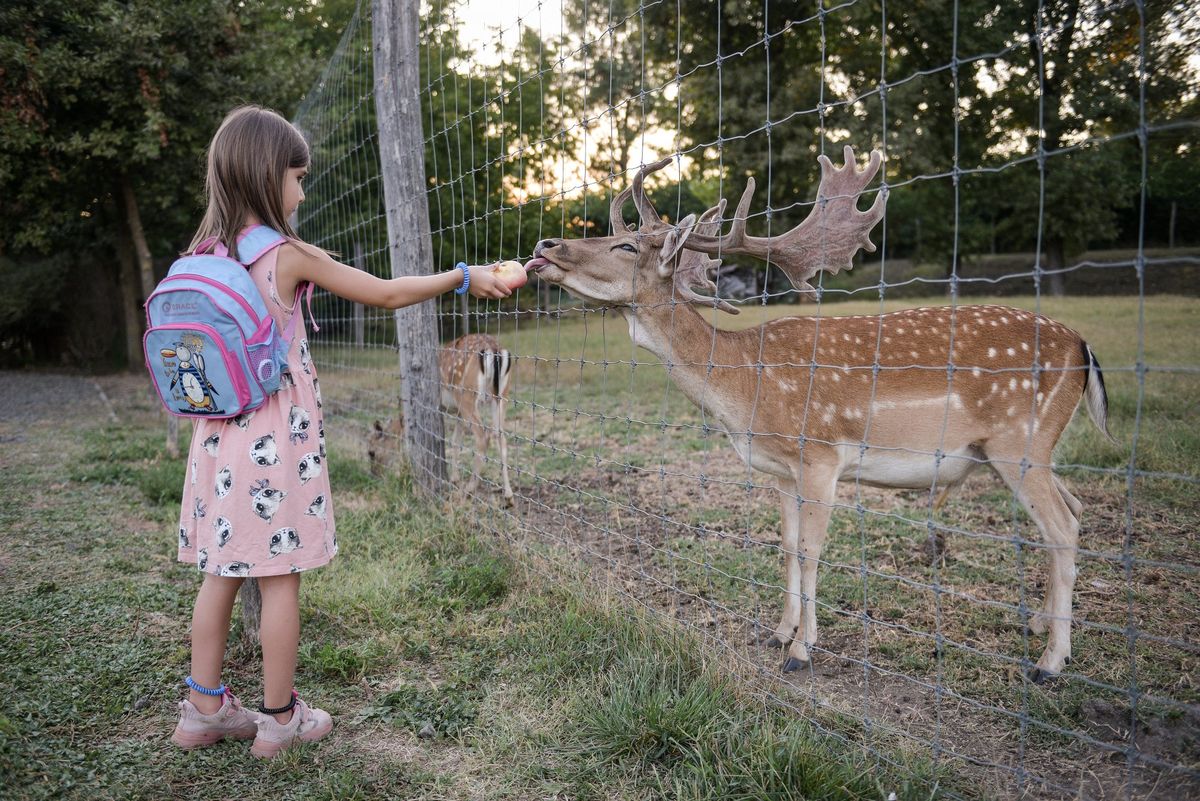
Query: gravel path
x: 30, y: 397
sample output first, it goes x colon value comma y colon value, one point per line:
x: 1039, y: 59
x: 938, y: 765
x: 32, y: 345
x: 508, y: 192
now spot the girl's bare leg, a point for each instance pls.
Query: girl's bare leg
x: 210, y: 633
x: 280, y: 639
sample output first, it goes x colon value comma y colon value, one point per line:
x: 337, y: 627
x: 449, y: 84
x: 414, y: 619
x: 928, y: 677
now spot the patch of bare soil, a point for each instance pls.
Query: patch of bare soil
x: 932, y: 663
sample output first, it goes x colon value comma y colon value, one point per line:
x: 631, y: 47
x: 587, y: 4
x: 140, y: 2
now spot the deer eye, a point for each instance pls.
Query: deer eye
x: 626, y: 246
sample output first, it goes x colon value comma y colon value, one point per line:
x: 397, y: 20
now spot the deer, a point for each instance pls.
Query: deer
x: 475, y: 374
x: 913, y: 399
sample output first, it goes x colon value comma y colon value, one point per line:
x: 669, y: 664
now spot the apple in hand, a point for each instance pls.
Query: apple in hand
x: 512, y: 273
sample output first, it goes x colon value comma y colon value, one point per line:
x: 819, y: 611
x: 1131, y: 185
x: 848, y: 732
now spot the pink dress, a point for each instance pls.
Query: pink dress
x: 256, y: 497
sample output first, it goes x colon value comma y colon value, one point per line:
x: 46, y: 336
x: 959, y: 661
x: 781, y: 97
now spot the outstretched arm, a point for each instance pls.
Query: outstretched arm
x: 300, y: 262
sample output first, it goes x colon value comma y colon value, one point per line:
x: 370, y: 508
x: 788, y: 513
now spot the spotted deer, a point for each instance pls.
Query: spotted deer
x: 475, y: 374
x: 914, y: 399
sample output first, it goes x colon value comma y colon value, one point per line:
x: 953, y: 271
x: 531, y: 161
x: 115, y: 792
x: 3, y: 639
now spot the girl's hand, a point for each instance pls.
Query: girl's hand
x: 486, y: 284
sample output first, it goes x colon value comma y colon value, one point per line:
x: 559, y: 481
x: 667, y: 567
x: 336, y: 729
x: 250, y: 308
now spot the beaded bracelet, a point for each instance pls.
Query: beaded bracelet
x: 466, y: 278
x: 190, y: 682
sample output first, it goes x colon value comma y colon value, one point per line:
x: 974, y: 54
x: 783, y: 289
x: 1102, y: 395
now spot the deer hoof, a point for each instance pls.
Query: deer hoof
x: 793, y: 664
x: 1039, y: 676
x: 508, y: 501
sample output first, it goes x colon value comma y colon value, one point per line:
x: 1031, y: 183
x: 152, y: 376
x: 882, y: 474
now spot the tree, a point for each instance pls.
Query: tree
x: 109, y: 105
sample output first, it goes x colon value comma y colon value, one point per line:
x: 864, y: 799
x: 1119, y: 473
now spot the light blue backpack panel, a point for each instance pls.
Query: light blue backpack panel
x: 212, y: 348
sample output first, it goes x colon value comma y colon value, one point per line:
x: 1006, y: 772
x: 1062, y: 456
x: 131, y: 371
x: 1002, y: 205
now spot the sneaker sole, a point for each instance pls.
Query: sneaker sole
x: 267, y: 749
x: 188, y: 740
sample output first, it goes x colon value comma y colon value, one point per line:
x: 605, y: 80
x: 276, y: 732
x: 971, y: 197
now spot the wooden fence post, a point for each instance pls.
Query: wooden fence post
x: 251, y: 597
x: 402, y: 158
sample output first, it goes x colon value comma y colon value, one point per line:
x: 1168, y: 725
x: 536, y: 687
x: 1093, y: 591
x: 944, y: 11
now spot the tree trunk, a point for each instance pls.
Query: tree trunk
x: 146, y: 268
x: 130, y: 293
x: 1055, y: 261
x: 137, y: 234
x: 401, y: 149
x: 1053, y: 86
x: 145, y: 263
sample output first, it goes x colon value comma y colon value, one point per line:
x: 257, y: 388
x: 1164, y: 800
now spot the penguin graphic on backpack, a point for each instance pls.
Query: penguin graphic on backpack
x: 198, y: 391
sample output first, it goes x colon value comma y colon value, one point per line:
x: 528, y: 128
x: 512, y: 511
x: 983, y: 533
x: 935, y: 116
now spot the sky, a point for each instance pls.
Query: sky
x: 486, y: 23
x: 489, y: 29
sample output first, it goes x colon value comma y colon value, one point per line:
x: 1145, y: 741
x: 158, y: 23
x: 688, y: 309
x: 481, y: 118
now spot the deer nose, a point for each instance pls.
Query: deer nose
x: 545, y: 244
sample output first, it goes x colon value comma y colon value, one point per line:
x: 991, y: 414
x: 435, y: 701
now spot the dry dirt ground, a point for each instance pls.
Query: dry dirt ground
x: 918, y: 651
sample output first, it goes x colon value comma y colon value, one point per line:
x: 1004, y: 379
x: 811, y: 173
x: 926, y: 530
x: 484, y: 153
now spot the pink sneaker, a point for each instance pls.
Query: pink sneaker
x: 307, y: 725
x: 196, y: 730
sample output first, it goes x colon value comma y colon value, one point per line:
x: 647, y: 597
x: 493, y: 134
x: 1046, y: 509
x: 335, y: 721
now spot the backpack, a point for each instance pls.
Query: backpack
x: 212, y: 348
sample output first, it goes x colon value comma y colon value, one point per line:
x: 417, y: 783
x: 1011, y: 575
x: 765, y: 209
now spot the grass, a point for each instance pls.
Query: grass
x: 531, y: 682
x: 616, y: 469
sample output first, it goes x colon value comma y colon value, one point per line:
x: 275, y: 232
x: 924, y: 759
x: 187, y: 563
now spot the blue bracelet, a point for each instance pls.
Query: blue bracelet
x: 190, y: 682
x: 462, y: 290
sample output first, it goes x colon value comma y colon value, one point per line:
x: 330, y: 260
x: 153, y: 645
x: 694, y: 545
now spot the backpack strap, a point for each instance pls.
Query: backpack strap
x: 254, y: 243
x: 298, y: 311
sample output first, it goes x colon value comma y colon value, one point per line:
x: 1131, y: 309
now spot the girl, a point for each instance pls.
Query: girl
x: 256, y: 500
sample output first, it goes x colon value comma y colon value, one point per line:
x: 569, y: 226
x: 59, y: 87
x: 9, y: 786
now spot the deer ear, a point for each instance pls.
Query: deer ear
x: 676, y: 238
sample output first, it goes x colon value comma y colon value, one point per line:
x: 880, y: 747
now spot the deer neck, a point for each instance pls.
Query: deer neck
x: 689, y: 346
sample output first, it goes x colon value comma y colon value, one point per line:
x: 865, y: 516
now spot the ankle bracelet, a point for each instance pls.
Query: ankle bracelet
x: 192, y: 683
x: 285, y: 708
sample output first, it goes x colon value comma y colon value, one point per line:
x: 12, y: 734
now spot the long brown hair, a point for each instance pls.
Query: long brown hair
x: 248, y: 159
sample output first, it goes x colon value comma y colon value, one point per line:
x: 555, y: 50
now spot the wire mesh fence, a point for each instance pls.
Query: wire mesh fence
x: 1027, y: 152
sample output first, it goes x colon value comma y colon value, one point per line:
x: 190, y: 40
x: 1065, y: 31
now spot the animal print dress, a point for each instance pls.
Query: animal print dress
x: 256, y: 497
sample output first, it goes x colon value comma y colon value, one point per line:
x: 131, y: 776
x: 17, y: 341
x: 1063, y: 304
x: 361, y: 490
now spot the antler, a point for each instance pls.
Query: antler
x: 694, y: 266
x: 615, y: 219
x: 651, y: 221
x: 826, y: 240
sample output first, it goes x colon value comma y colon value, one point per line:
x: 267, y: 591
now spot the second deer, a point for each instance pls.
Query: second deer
x: 475, y: 374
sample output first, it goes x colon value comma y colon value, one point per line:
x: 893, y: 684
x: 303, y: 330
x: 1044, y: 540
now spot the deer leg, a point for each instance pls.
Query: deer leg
x: 1039, y: 623
x: 789, y: 508
x: 1044, y: 501
x: 455, y: 445
x: 1072, y: 502
x: 480, y: 430
x: 498, y: 419
x: 817, y: 490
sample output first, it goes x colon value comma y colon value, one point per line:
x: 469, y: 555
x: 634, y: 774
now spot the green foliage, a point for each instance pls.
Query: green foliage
x: 101, y: 89
x: 345, y: 663
x: 468, y: 573
x: 450, y: 708
x: 118, y: 455
x: 31, y: 303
